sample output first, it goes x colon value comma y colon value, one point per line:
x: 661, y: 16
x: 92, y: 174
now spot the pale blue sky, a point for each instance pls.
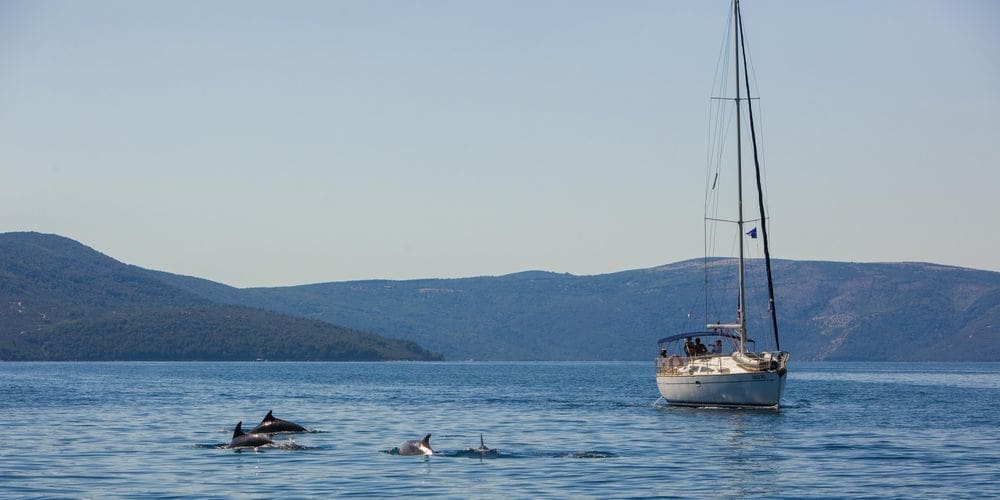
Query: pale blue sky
x: 278, y: 143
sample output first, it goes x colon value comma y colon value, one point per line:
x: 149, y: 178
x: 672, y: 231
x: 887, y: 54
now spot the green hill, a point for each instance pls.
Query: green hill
x: 60, y: 300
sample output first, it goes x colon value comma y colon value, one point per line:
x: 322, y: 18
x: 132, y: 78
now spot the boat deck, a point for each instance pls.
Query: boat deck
x: 720, y: 364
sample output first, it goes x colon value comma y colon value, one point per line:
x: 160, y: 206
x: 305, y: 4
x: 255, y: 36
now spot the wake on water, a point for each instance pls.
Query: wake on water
x: 289, y: 445
x: 490, y: 453
x: 496, y: 454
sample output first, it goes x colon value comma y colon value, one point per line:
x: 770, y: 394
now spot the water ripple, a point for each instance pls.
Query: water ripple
x: 557, y: 430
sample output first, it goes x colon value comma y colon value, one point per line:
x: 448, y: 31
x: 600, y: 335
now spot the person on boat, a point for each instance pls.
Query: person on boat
x: 717, y: 348
x: 699, y: 348
x: 689, y: 347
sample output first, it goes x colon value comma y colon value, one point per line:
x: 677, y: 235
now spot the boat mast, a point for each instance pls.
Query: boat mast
x: 760, y: 196
x: 741, y: 312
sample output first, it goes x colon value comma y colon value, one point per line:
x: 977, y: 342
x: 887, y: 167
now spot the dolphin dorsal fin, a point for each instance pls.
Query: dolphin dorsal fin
x: 482, y: 444
x: 269, y: 417
x: 426, y: 441
x: 239, y: 430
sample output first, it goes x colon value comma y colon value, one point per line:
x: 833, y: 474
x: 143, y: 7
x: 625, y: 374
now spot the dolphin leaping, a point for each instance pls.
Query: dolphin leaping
x: 272, y: 425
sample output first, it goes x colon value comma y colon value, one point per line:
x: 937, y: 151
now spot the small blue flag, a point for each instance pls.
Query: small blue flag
x: 752, y: 233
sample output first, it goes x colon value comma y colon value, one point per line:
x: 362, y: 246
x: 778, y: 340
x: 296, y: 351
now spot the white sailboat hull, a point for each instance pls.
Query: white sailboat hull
x: 720, y: 381
x: 741, y: 390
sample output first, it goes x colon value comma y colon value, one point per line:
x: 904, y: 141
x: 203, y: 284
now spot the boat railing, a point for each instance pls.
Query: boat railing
x: 675, y: 363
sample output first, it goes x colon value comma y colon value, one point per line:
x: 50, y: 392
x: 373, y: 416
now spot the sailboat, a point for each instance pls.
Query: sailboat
x: 727, y: 370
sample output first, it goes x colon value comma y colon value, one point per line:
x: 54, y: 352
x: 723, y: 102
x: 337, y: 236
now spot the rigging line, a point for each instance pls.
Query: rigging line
x: 712, y: 232
x: 731, y: 283
x: 751, y: 70
x: 711, y: 151
x: 717, y: 132
x: 712, y: 199
x: 704, y: 267
x: 723, y: 124
x: 710, y: 112
x: 760, y: 195
x: 722, y: 62
x: 761, y: 143
x: 721, y: 132
x: 709, y: 154
x: 741, y: 308
x: 709, y: 147
x: 721, y: 75
x: 718, y: 127
x: 720, y: 140
x: 715, y: 227
x: 731, y: 221
x: 753, y: 287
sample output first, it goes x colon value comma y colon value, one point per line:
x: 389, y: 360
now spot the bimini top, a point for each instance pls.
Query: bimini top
x: 680, y: 336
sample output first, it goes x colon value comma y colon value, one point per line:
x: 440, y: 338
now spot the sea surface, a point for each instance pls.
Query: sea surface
x: 560, y: 430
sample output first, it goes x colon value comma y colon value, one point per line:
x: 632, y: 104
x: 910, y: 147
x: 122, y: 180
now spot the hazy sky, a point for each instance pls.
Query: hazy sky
x: 279, y: 143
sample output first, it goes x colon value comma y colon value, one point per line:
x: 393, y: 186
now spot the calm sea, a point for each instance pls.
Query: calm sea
x: 562, y: 429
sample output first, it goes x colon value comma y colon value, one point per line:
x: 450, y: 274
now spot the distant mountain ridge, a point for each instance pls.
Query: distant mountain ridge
x: 61, y: 300
x: 827, y: 310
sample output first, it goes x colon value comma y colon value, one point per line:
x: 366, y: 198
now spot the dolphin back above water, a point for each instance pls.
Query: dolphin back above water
x: 483, y: 449
x: 272, y: 425
x: 416, y: 447
x: 244, y: 440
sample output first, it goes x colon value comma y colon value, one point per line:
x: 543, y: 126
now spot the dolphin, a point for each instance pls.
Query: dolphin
x: 272, y: 425
x: 244, y: 440
x: 483, y: 449
x: 482, y: 445
x: 416, y: 447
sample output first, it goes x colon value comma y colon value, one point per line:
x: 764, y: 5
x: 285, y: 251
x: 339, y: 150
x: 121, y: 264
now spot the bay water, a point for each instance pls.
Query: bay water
x: 591, y: 429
